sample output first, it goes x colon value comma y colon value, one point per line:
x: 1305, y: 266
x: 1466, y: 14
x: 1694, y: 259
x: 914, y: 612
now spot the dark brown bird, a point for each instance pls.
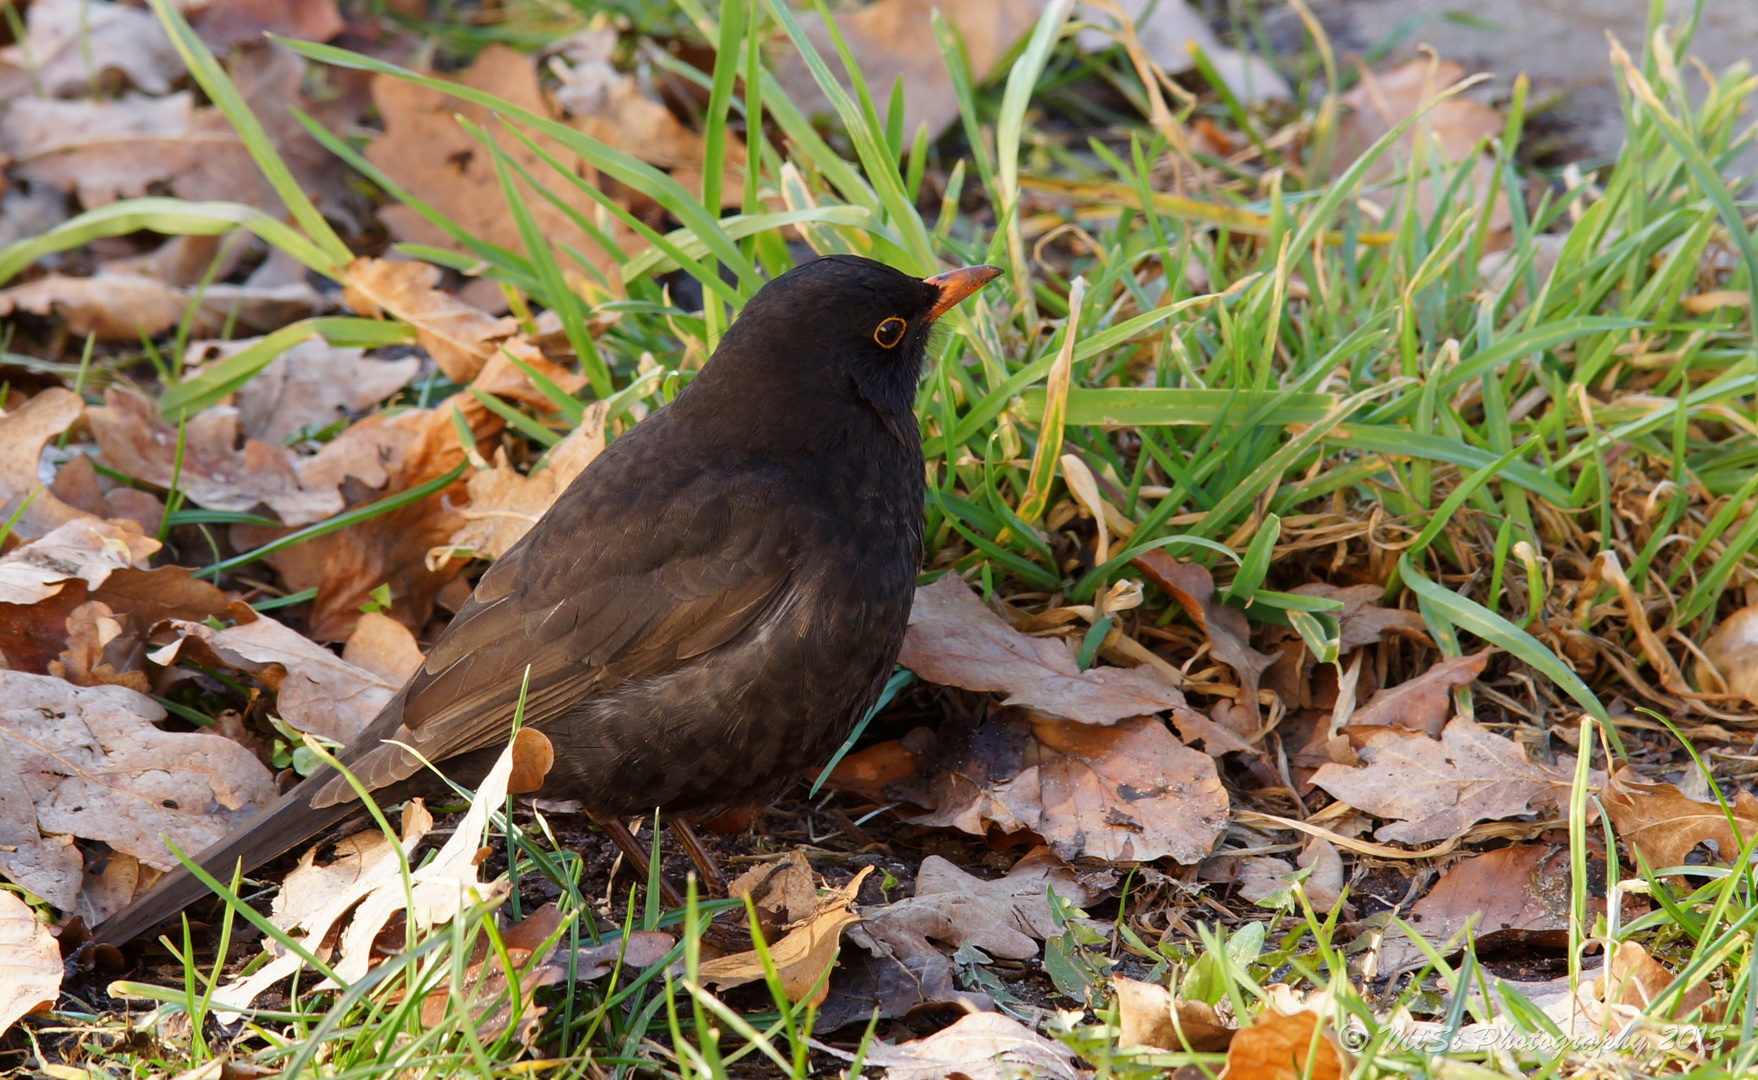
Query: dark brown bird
x: 706, y: 611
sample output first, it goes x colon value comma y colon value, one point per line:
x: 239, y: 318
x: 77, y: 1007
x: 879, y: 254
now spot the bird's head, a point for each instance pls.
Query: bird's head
x: 842, y: 321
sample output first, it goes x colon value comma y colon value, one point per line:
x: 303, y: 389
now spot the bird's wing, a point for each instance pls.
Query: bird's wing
x: 618, y: 581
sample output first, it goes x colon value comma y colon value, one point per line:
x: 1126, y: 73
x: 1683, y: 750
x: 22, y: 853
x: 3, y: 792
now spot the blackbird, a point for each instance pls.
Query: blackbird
x: 705, y: 612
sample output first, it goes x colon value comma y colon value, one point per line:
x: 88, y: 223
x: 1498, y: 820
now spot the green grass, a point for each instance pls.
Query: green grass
x: 1338, y: 368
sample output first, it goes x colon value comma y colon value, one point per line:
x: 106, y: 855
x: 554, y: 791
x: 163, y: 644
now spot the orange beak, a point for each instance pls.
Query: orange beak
x: 955, y: 285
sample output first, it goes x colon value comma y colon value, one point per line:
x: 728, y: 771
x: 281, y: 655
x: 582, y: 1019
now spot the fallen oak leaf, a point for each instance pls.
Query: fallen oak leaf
x: 1732, y: 651
x: 954, y: 640
x: 1006, y: 917
x: 126, y: 307
x: 802, y: 959
x: 979, y: 1046
x: 316, y: 690
x: 307, y: 388
x: 505, y: 505
x: 1664, y: 825
x: 1509, y: 895
x: 1633, y: 982
x: 209, y: 470
x: 1149, y: 1016
x: 1437, y: 789
x: 77, y: 484
x: 460, y: 338
x: 95, y: 766
x: 1362, y: 621
x: 84, y: 549
x: 1424, y: 703
x: 383, y: 646
x: 1296, y: 1046
x: 1193, y: 589
x: 23, y: 432
x: 30, y: 962
x: 70, y: 43
x: 100, y: 651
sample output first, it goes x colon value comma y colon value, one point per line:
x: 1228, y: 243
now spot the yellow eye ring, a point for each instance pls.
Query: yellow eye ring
x: 890, y: 332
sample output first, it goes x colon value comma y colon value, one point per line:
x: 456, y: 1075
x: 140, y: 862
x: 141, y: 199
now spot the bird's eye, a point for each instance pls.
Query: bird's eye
x: 890, y: 332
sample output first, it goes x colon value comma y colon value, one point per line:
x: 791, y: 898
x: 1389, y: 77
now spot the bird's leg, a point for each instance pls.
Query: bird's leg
x: 712, y: 878
x: 631, y: 848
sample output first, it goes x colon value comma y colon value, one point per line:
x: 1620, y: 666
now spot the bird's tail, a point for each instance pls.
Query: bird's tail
x: 286, y: 823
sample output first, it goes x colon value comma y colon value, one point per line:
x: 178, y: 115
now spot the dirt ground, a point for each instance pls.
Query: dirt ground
x: 1560, y: 44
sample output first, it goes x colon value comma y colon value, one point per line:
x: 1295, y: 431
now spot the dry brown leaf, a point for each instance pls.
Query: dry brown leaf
x: 367, y: 880
x: 803, y: 958
x: 1452, y: 129
x: 315, y: 690
x: 1633, y: 981
x: 68, y: 43
x: 30, y: 962
x: 426, y: 151
x: 484, y: 986
x: 23, y: 432
x: 612, y: 108
x: 125, y: 307
x: 93, y: 765
x: 1435, y: 790
x: 100, y: 651
x: 460, y: 338
x: 110, y: 885
x: 1229, y: 634
x: 393, y: 454
x: 979, y: 1046
x: 1299, y: 1046
x: 84, y: 549
x: 1733, y: 649
x: 212, y: 472
x: 1664, y: 825
x: 78, y: 485
x: 955, y: 641
x: 1508, y: 895
x: 1362, y: 621
x: 1167, y: 29
x: 504, y: 505
x: 103, y: 150
x: 1127, y: 793
x: 1006, y: 917
x: 225, y: 23
x: 384, y: 647
x: 1148, y: 1015
x: 1324, y: 888
x: 1424, y: 703
x: 166, y: 592
x: 308, y: 387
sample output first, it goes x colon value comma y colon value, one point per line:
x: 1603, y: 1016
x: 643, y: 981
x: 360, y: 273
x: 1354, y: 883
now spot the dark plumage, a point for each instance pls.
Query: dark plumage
x: 705, y: 611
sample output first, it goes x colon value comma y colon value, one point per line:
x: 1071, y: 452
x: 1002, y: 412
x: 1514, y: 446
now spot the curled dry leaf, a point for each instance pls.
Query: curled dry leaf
x: 23, y: 432
x: 504, y: 505
x: 212, y: 473
x: 460, y: 338
x: 1632, y: 983
x: 1229, y: 635
x: 1424, y: 703
x: 484, y: 989
x: 225, y: 23
x: 316, y: 690
x: 1438, y: 789
x: 1453, y: 129
x: 101, y: 650
x: 1148, y: 1015
x: 1509, y: 896
x: 1127, y: 793
x: 1733, y: 649
x: 955, y: 641
x: 393, y: 454
x: 1006, y: 917
x: 802, y: 959
x: 30, y: 962
x: 980, y: 1046
x: 383, y: 646
x: 367, y: 879
x: 426, y: 151
x: 69, y: 43
x: 92, y: 763
x: 84, y: 549
x: 1664, y: 825
x: 308, y: 387
x: 127, y: 307
x: 78, y: 485
x: 1298, y: 1046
